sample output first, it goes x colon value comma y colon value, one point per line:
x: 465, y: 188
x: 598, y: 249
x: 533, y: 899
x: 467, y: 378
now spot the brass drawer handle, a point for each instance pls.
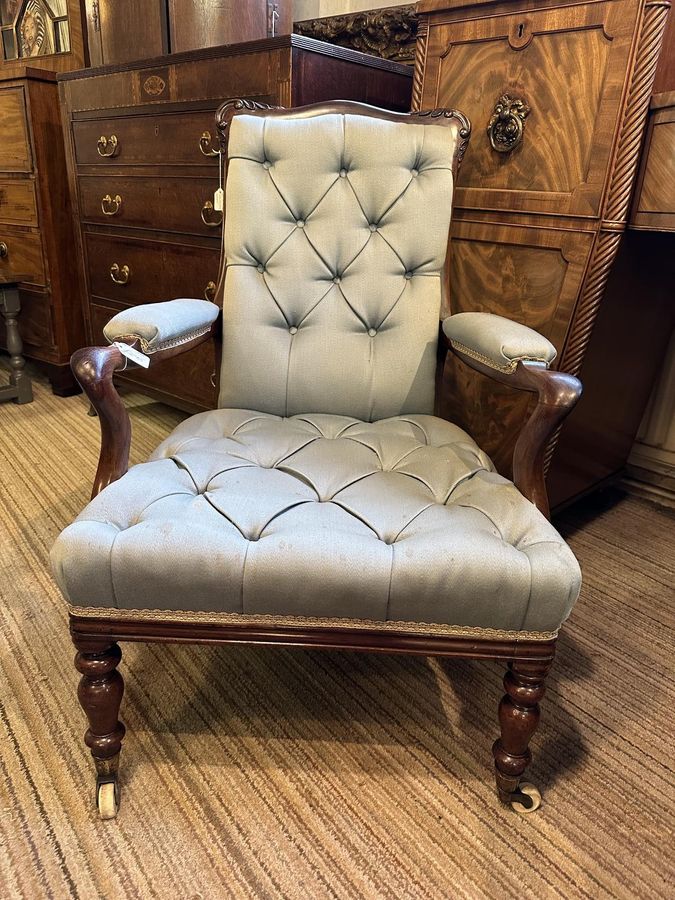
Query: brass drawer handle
x: 120, y: 275
x: 206, y: 214
x: 4, y: 250
x: 110, y: 206
x: 210, y: 291
x: 107, y: 146
x: 205, y: 145
x: 507, y: 123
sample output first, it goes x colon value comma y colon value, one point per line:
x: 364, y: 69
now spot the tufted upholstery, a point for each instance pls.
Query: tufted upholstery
x: 342, y: 281
x: 319, y: 515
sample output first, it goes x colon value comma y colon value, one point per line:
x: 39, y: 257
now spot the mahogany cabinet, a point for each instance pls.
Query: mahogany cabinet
x: 143, y: 168
x: 36, y: 227
x: 557, y: 93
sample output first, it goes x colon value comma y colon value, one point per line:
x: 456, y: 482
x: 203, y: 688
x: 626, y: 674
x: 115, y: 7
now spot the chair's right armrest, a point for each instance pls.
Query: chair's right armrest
x: 160, y: 330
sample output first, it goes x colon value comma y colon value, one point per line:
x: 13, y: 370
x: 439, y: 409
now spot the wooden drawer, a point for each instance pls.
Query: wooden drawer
x: 23, y: 254
x: 156, y: 270
x: 654, y: 207
x: 167, y: 139
x: 560, y: 165
x: 530, y: 275
x: 163, y: 203
x: 35, y: 324
x: 15, y: 155
x: 184, y: 380
x: 17, y: 202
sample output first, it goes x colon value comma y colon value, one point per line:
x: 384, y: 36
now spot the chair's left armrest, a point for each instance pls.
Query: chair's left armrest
x: 160, y: 330
x: 519, y: 357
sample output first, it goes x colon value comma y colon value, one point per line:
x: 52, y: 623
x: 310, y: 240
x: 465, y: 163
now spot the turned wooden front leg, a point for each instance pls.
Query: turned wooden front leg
x: 518, y: 717
x: 100, y: 694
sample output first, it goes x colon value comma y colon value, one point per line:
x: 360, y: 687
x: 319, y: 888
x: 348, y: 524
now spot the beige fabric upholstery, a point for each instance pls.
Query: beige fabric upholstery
x: 161, y: 325
x: 335, y: 237
x: 320, y: 515
x: 496, y: 341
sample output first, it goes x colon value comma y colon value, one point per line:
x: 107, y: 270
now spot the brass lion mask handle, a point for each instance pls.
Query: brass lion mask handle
x: 210, y: 291
x: 110, y: 206
x: 4, y: 250
x: 507, y: 123
x: 107, y: 146
x: 120, y: 274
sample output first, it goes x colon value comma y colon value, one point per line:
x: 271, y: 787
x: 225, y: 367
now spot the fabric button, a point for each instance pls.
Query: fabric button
x: 408, y: 275
x: 414, y: 173
x: 267, y: 164
x: 300, y: 223
x: 293, y: 330
x: 372, y: 332
x: 343, y: 173
x: 337, y: 279
x: 261, y: 268
x: 372, y: 226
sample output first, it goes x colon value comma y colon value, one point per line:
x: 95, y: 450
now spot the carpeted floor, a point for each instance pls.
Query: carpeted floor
x: 253, y: 772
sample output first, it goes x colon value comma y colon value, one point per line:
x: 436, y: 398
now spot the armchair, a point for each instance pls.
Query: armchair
x: 323, y: 504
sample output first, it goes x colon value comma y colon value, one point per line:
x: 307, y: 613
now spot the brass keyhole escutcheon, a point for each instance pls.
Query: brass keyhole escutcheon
x: 4, y: 250
x: 120, y: 274
x: 210, y: 217
x: 210, y: 291
x: 507, y: 123
x: 110, y: 206
x: 107, y: 146
x: 205, y: 145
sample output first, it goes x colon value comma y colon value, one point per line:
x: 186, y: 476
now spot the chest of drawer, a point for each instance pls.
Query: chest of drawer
x: 17, y: 202
x: 21, y: 253
x: 182, y: 205
x: 15, y: 153
x: 187, y: 138
x: 133, y: 271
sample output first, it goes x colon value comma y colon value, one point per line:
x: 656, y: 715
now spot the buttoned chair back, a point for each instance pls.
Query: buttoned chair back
x: 334, y: 246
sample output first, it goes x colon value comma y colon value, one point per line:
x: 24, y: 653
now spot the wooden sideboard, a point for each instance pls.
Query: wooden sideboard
x: 36, y: 228
x: 143, y: 167
x: 558, y: 94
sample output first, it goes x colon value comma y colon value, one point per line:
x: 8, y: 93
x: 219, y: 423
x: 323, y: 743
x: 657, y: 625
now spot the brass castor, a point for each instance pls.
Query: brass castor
x: 526, y: 798
x: 107, y: 797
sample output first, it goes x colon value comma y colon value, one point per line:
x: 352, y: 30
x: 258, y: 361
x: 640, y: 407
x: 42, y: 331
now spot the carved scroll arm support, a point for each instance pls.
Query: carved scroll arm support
x: 94, y: 368
x: 557, y: 394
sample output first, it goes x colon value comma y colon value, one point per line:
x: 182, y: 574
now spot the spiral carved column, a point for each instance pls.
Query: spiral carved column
x: 420, y: 61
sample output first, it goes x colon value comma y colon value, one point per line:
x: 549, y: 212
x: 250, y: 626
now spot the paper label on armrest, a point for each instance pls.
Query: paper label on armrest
x: 134, y: 355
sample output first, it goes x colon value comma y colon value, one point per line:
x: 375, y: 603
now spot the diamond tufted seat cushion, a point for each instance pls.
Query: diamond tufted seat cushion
x: 246, y: 514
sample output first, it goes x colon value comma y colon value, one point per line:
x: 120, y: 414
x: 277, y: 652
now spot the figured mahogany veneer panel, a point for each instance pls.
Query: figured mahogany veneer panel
x: 655, y: 196
x: 157, y: 270
x: 530, y: 275
x: 17, y: 202
x: 184, y: 381
x: 568, y: 65
x: 15, y: 155
x: 169, y: 139
x: 137, y: 202
x: 24, y: 254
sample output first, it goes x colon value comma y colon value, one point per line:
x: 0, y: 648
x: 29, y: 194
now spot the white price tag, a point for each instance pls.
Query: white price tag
x: 218, y: 200
x: 134, y: 355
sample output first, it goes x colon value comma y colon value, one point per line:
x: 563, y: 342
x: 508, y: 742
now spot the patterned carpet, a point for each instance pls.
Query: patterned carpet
x: 253, y: 772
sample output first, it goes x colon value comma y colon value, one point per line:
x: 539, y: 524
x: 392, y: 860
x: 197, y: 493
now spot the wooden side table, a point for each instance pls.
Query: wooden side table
x: 19, y: 388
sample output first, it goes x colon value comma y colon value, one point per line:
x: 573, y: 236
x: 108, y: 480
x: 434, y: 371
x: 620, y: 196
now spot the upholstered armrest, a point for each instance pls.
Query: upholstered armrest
x: 161, y: 330
x: 519, y: 357
x: 495, y: 341
x: 159, y: 326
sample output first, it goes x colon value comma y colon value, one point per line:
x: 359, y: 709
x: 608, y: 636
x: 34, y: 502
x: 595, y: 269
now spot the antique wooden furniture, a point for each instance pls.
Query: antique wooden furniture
x: 49, y: 33
x: 19, y: 388
x: 36, y: 223
x: 558, y: 95
x: 143, y: 165
x: 389, y: 32
x: 322, y: 504
x: 125, y: 30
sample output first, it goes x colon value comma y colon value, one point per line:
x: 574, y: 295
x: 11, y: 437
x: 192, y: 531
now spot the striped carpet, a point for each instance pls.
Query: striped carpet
x: 252, y: 772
